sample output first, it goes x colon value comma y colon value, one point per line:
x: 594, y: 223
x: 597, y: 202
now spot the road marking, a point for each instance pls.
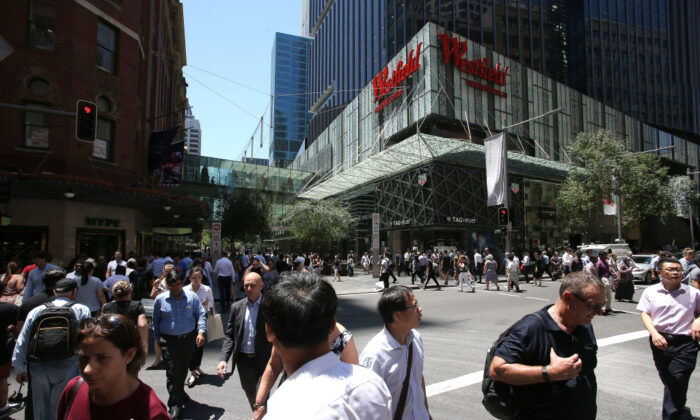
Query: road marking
x: 476, y: 377
x: 508, y: 294
x: 536, y: 298
x: 627, y: 312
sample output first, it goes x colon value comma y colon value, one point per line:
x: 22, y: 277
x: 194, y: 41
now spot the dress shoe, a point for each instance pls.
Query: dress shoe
x: 174, y: 413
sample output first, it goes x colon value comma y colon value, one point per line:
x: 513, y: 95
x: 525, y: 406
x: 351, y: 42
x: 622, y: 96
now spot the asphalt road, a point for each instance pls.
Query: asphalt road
x: 457, y: 330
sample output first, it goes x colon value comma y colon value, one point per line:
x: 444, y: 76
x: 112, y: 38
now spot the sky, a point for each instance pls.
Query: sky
x: 229, y: 43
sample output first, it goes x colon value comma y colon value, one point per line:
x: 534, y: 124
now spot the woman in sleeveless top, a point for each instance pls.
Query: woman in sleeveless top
x: 490, y: 272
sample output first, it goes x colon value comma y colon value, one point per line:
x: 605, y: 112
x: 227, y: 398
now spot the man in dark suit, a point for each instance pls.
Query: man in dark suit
x: 245, y: 338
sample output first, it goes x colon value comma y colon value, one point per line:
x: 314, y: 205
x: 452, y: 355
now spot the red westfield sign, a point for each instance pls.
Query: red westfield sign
x: 453, y: 49
x: 385, y: 88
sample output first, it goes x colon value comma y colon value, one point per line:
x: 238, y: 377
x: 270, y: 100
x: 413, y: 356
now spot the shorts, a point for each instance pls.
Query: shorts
x: 5, y: 370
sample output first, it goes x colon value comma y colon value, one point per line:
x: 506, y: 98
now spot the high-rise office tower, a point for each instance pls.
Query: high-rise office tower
x: 290, y: 107
x: 193, y: 134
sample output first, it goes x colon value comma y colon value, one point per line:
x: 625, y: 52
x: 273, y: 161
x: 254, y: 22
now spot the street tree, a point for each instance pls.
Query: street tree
x: 319, y: 223
x: 245, y: 216
x: 603, y: 167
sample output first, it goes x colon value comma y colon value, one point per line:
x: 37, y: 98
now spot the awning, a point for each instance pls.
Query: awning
x: 421, y: 149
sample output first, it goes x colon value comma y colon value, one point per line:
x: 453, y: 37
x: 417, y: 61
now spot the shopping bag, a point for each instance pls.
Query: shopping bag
x: 215, y: 329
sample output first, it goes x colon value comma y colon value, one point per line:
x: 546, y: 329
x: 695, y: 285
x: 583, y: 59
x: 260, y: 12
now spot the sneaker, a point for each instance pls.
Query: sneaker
x: 191, y: 380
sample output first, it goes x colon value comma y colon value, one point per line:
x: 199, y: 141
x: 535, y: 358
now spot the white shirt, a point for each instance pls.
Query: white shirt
x: 204, y: 294
x: 112, y: 267
x: 364, y: 260
x: 406, y: 256
x: 207, y: 266
x: 389, y: 359
x: 671, y: 312
x: 326, y: 388
x: 526, y: 260
x: 223, y: 268
x: 478, y: 258
x: 250, y: 320
x: 566, y: 259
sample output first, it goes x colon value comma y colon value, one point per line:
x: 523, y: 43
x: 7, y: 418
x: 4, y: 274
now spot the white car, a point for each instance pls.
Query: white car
x: 642, y: 269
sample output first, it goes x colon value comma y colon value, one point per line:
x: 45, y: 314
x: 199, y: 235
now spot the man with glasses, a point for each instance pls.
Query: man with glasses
x: 549, y: 357
x: 179, y: 323
x: 396, y: 353
x: 670, y: 312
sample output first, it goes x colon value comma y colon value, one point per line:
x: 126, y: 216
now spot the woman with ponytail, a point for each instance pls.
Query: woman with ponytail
x: 90, y: 291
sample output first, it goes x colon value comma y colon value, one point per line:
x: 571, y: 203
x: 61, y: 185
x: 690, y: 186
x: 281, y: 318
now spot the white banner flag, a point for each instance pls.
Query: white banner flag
x: 496, y: 174
x: 610, y: 206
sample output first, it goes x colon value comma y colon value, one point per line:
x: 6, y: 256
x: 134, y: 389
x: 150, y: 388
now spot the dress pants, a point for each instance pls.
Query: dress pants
x: 675, y: 365
x: 608, y: 293
x: 48, y: 381
x: 177, y: 352
x: 224, y: 292
x: 384, y: 277
x: 249, y: 375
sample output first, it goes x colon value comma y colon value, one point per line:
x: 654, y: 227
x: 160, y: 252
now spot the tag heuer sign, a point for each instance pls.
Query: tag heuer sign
x: 515, y: 188
x: 422, y: 179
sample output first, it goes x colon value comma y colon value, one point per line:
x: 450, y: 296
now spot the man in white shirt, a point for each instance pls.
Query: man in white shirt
x: 566, y: 259
x: 299, y: 313
x: 478, y: 264
x: 396, y: 354
x: 224, y: 276
x: 654, y: 265
x: 112, y: 266
x: 671, y: 314
x: 526, y: 266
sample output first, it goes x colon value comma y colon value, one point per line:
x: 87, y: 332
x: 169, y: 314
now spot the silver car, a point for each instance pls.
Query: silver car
x: 642, y: 268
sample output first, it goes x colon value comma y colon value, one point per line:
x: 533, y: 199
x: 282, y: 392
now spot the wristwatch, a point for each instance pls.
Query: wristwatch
x: 545, y: 375
x: 256, y: 405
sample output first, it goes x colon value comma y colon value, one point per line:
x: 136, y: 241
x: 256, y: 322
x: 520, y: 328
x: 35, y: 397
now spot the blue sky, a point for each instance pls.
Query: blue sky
x: 233, y: 39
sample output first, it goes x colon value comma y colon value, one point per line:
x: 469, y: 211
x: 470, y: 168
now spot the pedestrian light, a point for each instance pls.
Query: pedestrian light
x: 503, y: 216
x: 85, y: 121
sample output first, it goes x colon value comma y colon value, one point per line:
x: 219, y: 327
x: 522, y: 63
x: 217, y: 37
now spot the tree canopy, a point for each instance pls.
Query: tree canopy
x: 245, y: 216
x: 604, y: 166
x: 319, y: 223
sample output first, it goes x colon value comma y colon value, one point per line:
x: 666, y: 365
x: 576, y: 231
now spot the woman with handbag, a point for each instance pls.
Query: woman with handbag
x: 205, y: 296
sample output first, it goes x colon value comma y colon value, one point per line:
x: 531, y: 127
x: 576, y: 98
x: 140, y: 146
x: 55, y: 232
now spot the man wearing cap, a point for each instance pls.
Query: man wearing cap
x: 48, y: 377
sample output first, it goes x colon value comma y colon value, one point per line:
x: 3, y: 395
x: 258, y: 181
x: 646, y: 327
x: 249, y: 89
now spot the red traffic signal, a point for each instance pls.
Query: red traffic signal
x: 503, y: 216
x: 85, y: 121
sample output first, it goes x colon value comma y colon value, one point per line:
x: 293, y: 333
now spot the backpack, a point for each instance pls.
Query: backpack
x: 499, y: 397
x: 54, y: 334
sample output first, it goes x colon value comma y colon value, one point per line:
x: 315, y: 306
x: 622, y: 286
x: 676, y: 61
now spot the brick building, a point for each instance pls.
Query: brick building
x: 68, y: 196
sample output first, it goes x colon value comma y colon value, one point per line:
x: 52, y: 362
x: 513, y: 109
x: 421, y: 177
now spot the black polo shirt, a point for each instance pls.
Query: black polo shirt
x: 528, y: 344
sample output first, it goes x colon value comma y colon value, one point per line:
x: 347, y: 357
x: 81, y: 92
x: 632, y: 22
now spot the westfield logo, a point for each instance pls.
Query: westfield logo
x: 386, y: 88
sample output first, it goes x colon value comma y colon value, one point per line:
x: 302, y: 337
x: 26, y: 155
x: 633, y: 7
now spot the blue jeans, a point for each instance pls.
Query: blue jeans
x: 48, y: 381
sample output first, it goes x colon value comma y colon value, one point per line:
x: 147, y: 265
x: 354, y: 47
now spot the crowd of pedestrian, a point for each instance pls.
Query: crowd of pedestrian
x: 79, y: 338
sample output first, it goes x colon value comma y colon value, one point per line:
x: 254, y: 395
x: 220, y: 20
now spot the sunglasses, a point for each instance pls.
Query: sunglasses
x: 106, y: 323
x: 591, y: 306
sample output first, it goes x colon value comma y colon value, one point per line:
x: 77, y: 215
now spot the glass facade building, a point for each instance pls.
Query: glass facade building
x: 290, y: 107
x: 639, y: 57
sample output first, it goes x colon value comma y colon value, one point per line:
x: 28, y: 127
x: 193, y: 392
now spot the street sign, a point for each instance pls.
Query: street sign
x: 215, y: 242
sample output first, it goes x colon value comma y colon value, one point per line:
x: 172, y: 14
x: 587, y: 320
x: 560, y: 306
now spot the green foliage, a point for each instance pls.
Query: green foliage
x: 245, y: 217
x: 319, y: 223
x: 604, y: 166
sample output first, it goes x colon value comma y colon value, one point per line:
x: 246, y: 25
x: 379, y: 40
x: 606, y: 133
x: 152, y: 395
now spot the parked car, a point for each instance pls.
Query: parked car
x: 619, y: 249
x: 642, y: 269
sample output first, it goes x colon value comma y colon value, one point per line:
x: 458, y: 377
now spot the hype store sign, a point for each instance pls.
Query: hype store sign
x: 387, y: 87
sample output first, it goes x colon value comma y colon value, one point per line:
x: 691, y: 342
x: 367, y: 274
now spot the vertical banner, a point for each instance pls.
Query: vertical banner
x: 496, y: 175
x: 610, y: 206
x: 215, y: 249
x: 164, y: 158
x: 376, y: 254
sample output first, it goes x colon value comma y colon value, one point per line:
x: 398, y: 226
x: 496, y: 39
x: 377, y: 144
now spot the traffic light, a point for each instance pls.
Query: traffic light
x: 503, y: 216
x: 85, y: 121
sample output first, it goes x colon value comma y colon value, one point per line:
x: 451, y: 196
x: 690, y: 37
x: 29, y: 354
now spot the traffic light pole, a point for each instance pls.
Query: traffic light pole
x: 506, y: 204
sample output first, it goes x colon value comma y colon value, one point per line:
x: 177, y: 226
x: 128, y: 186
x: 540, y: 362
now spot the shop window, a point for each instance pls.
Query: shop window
x: 42, y: 22
x: 106, y: 47
x: 36, y: 127
x: 104, y: 142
